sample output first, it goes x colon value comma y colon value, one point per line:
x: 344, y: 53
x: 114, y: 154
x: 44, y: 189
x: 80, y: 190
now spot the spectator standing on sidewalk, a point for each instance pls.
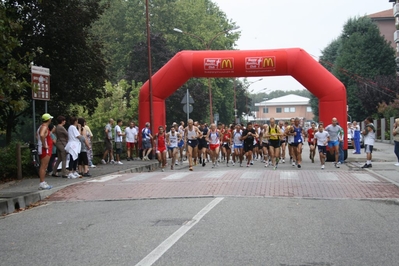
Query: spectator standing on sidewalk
x: 89, y: 136
x: 369, y: 138
x: 108, y: 143
x: 50, y: 168
x: 356, y: 137
x: 341, y: 136
x: 131, y: 140
x: 118, y: 140
x: 62, y: 139
x: 146, y: 139
x: 45, y: 146
x: 395, y: 133
x: 83, y: 159
x: 73, y: 147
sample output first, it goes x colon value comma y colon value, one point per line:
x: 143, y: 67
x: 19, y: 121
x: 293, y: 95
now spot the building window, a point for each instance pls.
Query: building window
x: 265, y: 110
x: 289, y: 109
x: 308, y: 109
x: 278, y: 110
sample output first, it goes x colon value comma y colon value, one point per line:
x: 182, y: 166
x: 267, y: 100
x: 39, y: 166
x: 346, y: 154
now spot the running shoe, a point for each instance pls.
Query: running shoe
x: 119, y: 162
x: 266, y: 164
x: 103, y: 161
x: 76, y: 174
x: 72, y: 176
x: 367, y: 166
x: 203, y: 163
x: 293, y: 163
x: 43, y: 185
x: 299, y: 166
x: 336, y: 165
x: 277, y: 160
x: 213, y: 165
x: 112, y: 162
x: 283, y: 160
x: 322, y: 167
x: 163, y: 170
x: 235, y: 163
x: 251, y: 163
x: 191, y: 168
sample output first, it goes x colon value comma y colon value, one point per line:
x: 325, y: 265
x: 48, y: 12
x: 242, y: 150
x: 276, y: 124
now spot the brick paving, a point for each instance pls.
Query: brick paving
x: 239, y: 183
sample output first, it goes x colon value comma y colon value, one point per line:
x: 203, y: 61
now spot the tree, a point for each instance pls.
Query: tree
x: 362, y: 54
x: 14, y: 67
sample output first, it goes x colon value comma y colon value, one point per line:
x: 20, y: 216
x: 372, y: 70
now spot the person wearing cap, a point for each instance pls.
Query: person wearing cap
x: 45, y: 148
x: 146, y: 141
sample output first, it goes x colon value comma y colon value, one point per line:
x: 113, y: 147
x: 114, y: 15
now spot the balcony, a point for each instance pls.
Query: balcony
x: 397, y: 61
x: 396, y: 10
x: 396, y: 36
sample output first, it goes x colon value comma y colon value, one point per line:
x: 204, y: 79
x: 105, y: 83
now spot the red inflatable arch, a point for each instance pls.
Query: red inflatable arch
x: 224, y: 64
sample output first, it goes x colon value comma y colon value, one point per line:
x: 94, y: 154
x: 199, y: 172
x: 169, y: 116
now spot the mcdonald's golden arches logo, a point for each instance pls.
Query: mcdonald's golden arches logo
x: 264, y: 63
x: 219, y: 64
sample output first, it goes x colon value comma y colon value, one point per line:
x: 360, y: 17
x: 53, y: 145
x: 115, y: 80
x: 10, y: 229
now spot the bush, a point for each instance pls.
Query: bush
x: 8, y: 161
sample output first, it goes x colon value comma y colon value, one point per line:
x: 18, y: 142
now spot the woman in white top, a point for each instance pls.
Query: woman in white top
x: 237, y: 144
x: 73, y: 147
x: 213, y: 137
x: 172, y: 140
x: 191, y: 133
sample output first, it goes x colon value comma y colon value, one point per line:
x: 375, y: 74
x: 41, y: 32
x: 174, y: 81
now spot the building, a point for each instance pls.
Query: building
x: 385, y: 21
x: 284, y: 108
x: 395, y: 32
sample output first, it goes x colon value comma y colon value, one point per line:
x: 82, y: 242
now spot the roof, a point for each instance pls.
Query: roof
x: 382, y: 14
x: 290, y: 99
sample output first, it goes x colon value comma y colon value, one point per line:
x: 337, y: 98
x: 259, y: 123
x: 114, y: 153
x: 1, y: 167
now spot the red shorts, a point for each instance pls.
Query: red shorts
x: 45, y: 152
x: 130, y: 145
x: 161, y: 149
x: 213, y: 147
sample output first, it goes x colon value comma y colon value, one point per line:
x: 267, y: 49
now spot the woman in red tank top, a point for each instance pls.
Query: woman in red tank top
x: 160, y: 144
x: 46, y: 149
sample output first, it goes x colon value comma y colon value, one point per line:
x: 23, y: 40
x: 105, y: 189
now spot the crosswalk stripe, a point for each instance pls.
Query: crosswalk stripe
x: 289, y: 175
x: 251, y: 175
x: 327, y: 176
x: 176, y: 176
x: 140, y: 177
x: 104, y: 179
x: 215, y: 174
x: 365, y: 177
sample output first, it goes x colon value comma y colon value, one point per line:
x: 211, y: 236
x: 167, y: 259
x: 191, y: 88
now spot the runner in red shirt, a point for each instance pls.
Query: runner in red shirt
x: 160, y: 144
x: 310, y: 133
x: 226, y: 141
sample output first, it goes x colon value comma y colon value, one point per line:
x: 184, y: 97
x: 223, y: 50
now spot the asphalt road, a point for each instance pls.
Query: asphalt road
x: 234, y: 231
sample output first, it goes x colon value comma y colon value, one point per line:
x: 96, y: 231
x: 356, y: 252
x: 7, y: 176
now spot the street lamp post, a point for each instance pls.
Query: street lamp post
x: 207, y: 46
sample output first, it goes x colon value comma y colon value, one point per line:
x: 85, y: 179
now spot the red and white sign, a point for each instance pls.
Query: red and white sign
x: 257, y: 64
x: 41, y: 83
x: 218, y: 64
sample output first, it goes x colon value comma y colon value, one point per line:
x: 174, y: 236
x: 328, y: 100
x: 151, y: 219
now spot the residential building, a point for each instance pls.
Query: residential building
x: 385, y: 21
x: 284, y: 108
x: 396, y: 31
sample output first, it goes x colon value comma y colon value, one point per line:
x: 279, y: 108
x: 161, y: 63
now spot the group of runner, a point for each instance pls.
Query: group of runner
x: 233, y: 143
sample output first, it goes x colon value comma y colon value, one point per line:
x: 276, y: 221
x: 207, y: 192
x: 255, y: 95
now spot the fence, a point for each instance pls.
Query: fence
x: 384, y: 129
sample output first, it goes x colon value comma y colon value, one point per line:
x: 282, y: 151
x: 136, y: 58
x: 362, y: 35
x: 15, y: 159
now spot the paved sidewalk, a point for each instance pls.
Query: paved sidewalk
x: 21, y: 193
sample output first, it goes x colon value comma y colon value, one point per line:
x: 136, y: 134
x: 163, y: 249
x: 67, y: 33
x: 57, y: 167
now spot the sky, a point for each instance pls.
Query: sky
x: 308, y: 24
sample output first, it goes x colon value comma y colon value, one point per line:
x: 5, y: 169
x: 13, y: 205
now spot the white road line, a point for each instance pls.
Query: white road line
x: 365, y: 177
x: 140, y: 177
x: 327, y: 176
x: 251, y: 175
x: 170, y: 241
x: 104, y: 178
x: 176, y: 176
x: 215, y: 174
x: 289, y: 175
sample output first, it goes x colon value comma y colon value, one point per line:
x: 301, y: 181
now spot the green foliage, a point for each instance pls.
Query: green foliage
x: 389, y: 110
x: 113, y: 106
x: 8, y: 162
x: 362, y: 54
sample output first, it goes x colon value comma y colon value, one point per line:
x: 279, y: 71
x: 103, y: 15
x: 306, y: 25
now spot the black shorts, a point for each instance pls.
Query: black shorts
x: 248, y: 147
x: 295, y: 144
x: 322, y: 149
x: 202, y: 144
x: 226, y: 145
x: 83, y: 159
x: 192, y: 143
x: 275, y: 143
x: 265, y: 145
x: 283, y: 141
x: 310, y: 143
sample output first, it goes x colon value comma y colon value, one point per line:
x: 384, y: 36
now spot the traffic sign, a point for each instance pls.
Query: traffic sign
x: 190, y: 108
x: 190, y: 99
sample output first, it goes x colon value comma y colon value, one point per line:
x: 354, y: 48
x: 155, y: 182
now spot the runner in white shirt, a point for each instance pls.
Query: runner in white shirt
x: 321, y: 139
x: 237, y: 144
x: 172, y: 140
x: 118, y: 140
x: 131, y: 139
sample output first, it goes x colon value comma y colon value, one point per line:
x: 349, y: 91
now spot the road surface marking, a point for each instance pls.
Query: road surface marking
x: 251, y: 175
x: 140, y: 177
x: 176, y: 176
x: 170, y: 241
x: 327, y: 176
x: 104, y: 178
x: 215, y: 174
x: 289, y: 175
x: 365, y: 177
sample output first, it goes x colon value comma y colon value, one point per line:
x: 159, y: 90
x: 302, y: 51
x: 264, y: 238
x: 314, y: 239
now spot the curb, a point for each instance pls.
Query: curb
x: 8, y: 206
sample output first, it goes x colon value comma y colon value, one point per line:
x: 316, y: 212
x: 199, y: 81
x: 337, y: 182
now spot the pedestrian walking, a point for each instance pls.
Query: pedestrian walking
x: 369, y: 139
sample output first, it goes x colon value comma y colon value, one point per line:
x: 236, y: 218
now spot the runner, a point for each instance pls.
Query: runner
x: 248, y: 136
x: 321, y: 138
x: 265, y: 144
x: 290, y: 140
x: 160, y: 145
x: 333, y: 144
x: 213, y: 137
x: 296, y: 131
x: 203, y: 144
x: 181, y: 145
x: 226, y: 140
x: 274, y: 135
x: 237, y: 144
x: 283, y: 140
x: 172, y: 139
x: 310, y: 133
x: 191, y: 134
